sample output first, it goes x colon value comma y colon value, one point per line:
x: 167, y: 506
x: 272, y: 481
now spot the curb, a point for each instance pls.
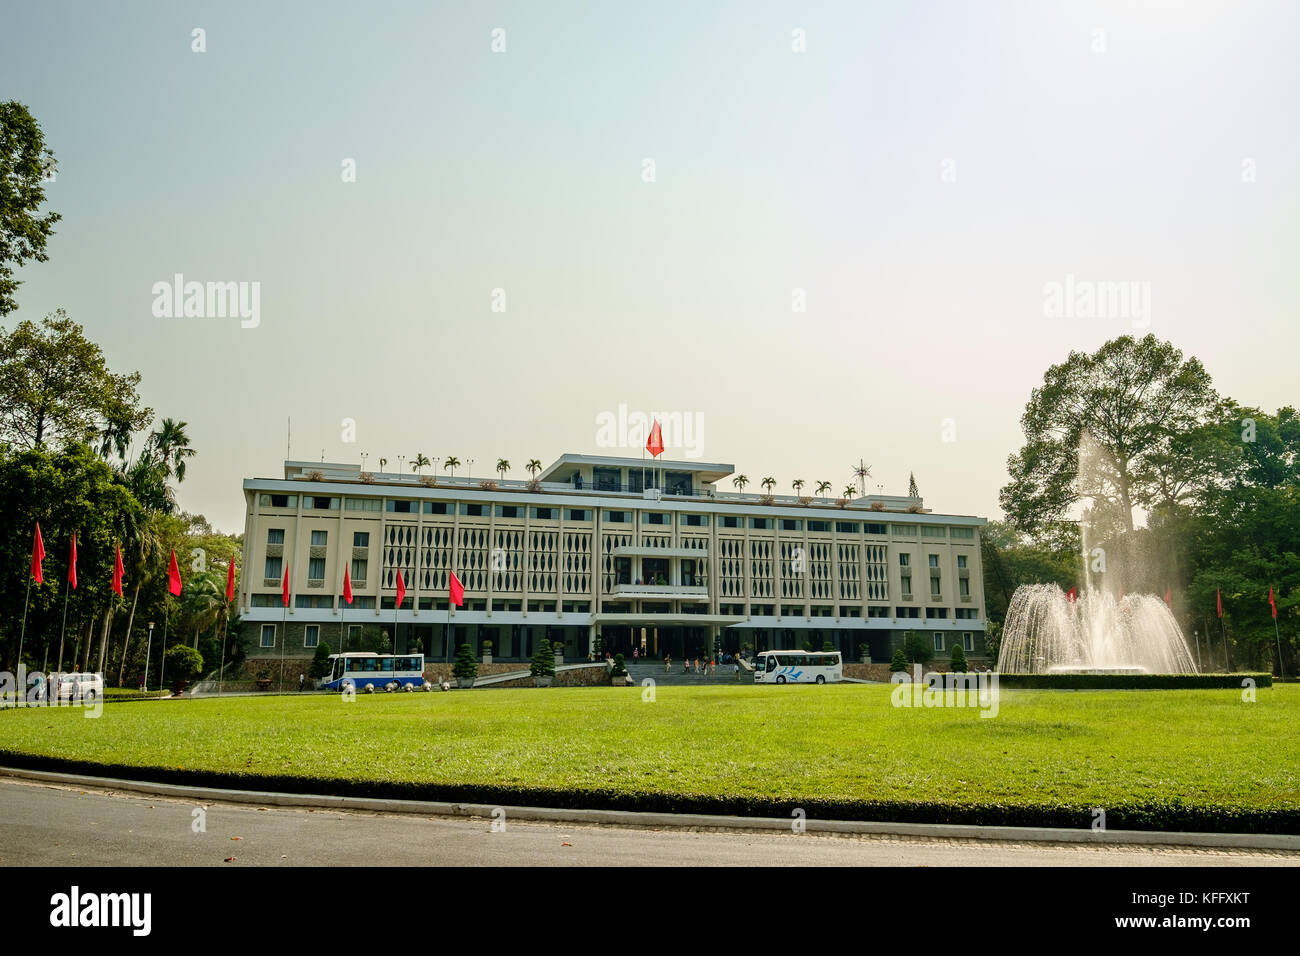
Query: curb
x: 628, y: 818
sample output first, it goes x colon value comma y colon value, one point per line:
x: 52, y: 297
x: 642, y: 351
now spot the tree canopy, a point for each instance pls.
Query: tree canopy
x: 24, y: 163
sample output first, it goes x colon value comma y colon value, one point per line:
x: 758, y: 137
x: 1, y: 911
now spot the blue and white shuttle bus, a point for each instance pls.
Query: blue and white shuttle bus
x: 367, y: 672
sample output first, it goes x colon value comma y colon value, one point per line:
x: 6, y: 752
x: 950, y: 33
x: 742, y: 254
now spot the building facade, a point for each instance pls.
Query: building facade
x: 599, y: 552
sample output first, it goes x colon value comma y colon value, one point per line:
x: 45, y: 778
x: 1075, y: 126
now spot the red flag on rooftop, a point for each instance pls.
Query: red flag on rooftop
x: 72, y: 563
x: 174, y: 576
x: 118, y: 571
x: 1218, y: 602
x: 284, y: 588
x: 1271, y: 603
x: 655, y: 443
x: 347, y: 584
x: 38, y: 555
x: 230, y: 581
x: 456, y: 591
x: 401, y: 588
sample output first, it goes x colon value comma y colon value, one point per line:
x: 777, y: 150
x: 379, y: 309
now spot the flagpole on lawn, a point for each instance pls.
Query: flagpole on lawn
x: 23, y: 633
x: 1227, y: 669
x: 225, y: 631
x: 162, y: 663
x: 284, y: 640
x: 1281, y: 671
x: 67, y: 589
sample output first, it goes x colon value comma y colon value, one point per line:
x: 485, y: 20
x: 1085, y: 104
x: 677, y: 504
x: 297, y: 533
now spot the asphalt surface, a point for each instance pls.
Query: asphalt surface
x: 50, y: 825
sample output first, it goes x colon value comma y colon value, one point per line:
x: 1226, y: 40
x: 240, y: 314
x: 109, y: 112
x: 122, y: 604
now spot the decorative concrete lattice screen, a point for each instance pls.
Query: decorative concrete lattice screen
x: 608, y: 543
x: 472, y: 559
x: 760, y: 568
x: 794, y: 565
x: 507, y: 559
x: 435, y: 558
x: 731, y: 566
x: 819, y: 571
x: 399, y: 552
x: 850, y: 586
x: 576, y: 563
x: 656, y: 541
x: 877, y: 572
x: 543, y: 564
x: 701, y: 544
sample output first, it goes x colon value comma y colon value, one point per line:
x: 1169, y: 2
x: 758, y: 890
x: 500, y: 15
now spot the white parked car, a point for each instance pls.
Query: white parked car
x: 75, y: 687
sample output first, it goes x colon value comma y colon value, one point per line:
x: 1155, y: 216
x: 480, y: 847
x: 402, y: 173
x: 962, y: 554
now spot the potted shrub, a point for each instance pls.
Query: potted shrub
x: 558, y: 651
x: 876, y: 506
x: 543, y: 665
x: 618, y: 673
x: 487, y: 652
x: 466, y: 668
x: 263, y: 677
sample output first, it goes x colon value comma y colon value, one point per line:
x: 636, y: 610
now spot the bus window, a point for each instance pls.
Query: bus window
x: 771, y: 663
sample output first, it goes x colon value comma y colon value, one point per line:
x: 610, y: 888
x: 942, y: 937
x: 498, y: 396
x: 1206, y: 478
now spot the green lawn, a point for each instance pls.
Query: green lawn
x: 1179, y: 759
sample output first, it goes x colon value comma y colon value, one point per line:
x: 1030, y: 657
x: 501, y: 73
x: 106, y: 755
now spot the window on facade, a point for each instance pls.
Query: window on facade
x: 311, y: 635
x: 319, y: 539
x: 315, y: 569
x: 761, y: 524
x: 934, y: 560
x: 268, y: 635
x: 935, y: 587
x: 654, y: 517
x: 963, y: 533
x: 843, y: 527
x: 360, y: 568
x: 907, y: 612
x: 473, y: 510
x: 792, y: 610
x: 904, y: 559
x: 577, y: 514
x: 616, y: 517
x: 278, y: 501
x: 967, y: 641
x: 876, y: 610
x: 360, y: 539
x: 544, y: 514
x: 904, y: 530
x: 938, y: 640
x: 696, y: 521
x: 963, y: 587
x: 319, y: 503
x: 435, y: 508
x: 933, y: 531
x: 275, y: 536
x: 729, y: 521
x: 875, y: 529
x: 274, y: 567
x: 313, y: 601
x: 363, y: 504
x: 791, y: 524
x: 403, y: 507
x: 508, y: 511
x: 761, y: 610
x: 937, y: 613
x: 961, y: 561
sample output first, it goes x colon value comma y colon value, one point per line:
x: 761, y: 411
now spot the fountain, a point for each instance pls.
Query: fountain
x: 1048, y: 632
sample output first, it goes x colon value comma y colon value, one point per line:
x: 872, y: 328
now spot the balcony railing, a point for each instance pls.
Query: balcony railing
x: 623, y: 589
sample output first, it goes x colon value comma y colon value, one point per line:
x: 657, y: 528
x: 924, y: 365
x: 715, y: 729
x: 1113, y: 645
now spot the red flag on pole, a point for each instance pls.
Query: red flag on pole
x: 1218, y: 601
x: 284, y: 589
x: 457, y: 591
x: 1071, y: 596
x: 230, y: 581
x: 38, y: 555
x: 72, y: 563
x: 174, y: 577
x: 1168, y: 599
x: 1271, y: 603
x: 347, y: 584
x: 401, y: 588
x: 118, y: 571
x: 655, y: 443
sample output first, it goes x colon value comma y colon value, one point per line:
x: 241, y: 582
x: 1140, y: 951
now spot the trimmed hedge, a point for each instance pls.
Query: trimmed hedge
x: 1150, y: 815
x: 1131, y: 681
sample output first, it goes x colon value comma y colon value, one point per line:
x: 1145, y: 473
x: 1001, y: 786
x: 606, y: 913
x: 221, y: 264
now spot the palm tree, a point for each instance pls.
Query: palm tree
x: 451, y: 463
x: 797, y: 485
x: 382, y: 463
x: 767, y: 484
x: 823, y: 487
x: 850, y: 491
x: 171, y: 446
x: 740, y: 481
x: 533, y: 467
x: 419, y: 463
x: 503, y: 466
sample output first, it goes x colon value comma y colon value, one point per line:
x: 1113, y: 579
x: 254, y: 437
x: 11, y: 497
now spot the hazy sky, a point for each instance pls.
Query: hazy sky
x: 921, y: 171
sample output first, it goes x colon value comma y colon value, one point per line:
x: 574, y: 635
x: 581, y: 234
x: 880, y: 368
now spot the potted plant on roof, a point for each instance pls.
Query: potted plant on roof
x: 466, y: 668
x: 543, y: 664
x: 533, y: 467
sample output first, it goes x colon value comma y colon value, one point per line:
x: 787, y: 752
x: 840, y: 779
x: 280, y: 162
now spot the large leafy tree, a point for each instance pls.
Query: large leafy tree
x: 55, y: 386
x: 1108, y: 430
x: 24, y: 159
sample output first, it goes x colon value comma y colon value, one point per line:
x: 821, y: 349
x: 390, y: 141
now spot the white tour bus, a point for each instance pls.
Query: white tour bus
x: 798, y: 667
x: 367, y: 672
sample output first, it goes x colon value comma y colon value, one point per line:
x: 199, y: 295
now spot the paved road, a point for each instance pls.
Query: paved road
x: 55, y: 825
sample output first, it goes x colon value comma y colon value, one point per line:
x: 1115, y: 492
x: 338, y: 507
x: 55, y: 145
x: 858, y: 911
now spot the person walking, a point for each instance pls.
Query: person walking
x: 302, y: 680
x: 668, y: 662
x: 636, y: 652
x: 735, y: 666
